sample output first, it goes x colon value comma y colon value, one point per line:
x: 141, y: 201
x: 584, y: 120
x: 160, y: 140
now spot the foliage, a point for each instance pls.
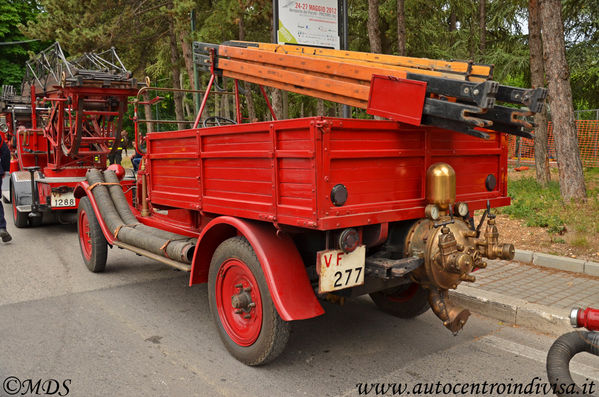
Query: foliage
x: 13, y: 57
x: 543, y: 207
x: 139, y: 30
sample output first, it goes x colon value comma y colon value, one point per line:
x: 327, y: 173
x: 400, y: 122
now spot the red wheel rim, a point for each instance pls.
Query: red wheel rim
x: 243, y: 325
x: 405, y: 295
x: 85, y: 235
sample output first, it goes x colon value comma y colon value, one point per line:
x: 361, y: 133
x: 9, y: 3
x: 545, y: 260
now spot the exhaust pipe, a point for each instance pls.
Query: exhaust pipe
x: 179, y: 248
x: 453, y: 317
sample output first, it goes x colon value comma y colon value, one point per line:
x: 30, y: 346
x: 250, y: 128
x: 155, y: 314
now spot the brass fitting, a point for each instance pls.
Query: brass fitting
x: 449, y: 256
x: 440, y: 185
x: 144, y: 190
x: 453, y: 317
x: 490, y: 246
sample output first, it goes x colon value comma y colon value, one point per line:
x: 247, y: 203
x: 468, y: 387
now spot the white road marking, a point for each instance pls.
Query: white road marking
x: 538, y: 355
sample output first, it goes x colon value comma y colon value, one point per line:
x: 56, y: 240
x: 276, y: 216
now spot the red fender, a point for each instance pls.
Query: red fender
x: 281, y: 263
x: 81, y: 191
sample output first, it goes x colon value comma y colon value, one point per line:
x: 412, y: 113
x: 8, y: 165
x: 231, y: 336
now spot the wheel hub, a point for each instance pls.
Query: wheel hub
x: 238, y: 302
x: 243, y: 301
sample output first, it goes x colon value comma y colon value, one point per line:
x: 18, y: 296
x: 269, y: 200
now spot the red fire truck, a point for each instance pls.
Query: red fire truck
x: 274, y: 215
x: 67, y: 119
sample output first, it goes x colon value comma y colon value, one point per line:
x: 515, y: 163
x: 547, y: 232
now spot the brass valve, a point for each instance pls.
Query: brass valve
x: 449, y: 256
x: 490, y: 246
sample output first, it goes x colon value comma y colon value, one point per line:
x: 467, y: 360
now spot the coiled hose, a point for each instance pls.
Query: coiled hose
x: 170, y: 245
x: 558, y: 360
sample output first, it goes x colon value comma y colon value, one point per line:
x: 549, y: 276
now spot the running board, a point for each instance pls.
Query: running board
x: 151, y: 255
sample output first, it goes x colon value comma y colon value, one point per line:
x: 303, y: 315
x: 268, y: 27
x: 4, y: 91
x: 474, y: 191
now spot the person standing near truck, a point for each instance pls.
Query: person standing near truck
x: 117, y: 156
x: 4, y: 167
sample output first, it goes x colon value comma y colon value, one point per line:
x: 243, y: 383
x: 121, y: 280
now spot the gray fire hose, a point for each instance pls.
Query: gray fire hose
x: 129, y: 230
x: 559, y: 356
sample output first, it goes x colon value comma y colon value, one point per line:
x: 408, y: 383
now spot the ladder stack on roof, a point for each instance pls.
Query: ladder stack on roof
x: 455, y: 95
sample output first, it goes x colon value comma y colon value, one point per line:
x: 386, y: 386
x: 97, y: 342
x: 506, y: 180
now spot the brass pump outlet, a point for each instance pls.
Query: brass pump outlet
x: 453, y: 317
x: 448, y: 259
x: 491, y: 248
x: 440, y: 185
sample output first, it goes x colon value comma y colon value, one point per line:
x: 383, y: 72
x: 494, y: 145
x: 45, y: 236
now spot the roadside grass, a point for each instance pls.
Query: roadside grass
x: 543, y: 207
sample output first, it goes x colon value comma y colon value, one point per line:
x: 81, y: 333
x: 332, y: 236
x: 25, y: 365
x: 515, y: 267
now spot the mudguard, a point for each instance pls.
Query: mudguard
x: 21, y: 184
x: 81, y: 191
x: 281, y: 263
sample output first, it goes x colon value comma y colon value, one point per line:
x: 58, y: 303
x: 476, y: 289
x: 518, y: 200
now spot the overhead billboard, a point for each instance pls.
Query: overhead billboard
x: 309, y: 22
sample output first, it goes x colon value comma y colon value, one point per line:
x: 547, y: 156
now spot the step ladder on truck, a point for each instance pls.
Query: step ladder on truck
x: 67, y: 118
x: 276, y: 215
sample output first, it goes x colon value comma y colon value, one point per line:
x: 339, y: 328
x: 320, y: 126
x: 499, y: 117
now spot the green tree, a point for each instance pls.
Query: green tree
x: 13, y: 56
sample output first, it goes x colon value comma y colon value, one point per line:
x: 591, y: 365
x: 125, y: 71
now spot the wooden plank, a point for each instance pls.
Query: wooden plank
x: 460, y: 67
x: 273, y: 73
x: 298, y: 90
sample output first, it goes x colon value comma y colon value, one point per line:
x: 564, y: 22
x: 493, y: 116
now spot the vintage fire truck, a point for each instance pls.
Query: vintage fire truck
x: 67, y: 119
x: 276, y: 215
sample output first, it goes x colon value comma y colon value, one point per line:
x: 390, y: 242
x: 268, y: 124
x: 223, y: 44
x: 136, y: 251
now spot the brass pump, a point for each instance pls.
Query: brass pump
x: 450, y: 248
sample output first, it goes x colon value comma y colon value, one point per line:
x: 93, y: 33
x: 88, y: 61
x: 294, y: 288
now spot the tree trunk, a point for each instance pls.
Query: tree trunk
x: 178, y: 97
x: 148, y: 112
x: 226, y: 106
x: 453, y: 21
x: 277, y: 103
x: 320, y: 107
x: 537, y: 79
x: 482, y: 25
x: 284, y: 105
x: 571, y: 177
x: 374, y: 32
x: 401, y: 28
x: 187, y: 57
x: 249, y: 100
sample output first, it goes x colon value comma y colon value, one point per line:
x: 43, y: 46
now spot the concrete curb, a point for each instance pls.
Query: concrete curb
x: 558, y: 262
x: 513, y: 310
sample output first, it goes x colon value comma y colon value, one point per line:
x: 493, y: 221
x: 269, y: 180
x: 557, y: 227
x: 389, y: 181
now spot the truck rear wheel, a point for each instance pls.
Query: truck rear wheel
x: 94, y: 248
x: 246, y: 318
x: 405, y: 301
x: 21, y: 219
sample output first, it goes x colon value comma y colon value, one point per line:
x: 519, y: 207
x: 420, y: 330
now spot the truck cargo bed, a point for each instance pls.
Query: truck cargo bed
x: 284, y: 171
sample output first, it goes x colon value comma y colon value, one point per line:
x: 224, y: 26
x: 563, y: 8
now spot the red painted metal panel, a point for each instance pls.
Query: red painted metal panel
x: 396, y: 98
x: 281, y: 263
x: 284, y: 171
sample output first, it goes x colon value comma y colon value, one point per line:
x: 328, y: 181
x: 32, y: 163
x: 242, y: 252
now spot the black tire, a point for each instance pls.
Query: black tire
x: 274, y: 332
x: 21, y: 219
x: 36, y: 221
x: 406, y: 301
x: 95, y: 252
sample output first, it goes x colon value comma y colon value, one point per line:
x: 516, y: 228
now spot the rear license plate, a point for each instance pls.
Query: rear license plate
x: 339, y: 270
x: 66, y: 199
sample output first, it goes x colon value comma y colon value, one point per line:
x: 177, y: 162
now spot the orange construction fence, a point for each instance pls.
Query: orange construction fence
x: 588, y: 141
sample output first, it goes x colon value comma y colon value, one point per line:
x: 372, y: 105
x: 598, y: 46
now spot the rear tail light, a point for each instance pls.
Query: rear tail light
x: 349, y: 239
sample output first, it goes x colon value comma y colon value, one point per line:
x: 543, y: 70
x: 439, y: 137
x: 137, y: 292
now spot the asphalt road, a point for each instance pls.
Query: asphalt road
x: 139, y: 330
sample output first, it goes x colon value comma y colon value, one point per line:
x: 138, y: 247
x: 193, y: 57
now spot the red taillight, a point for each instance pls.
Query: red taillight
x: 349, y: 239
